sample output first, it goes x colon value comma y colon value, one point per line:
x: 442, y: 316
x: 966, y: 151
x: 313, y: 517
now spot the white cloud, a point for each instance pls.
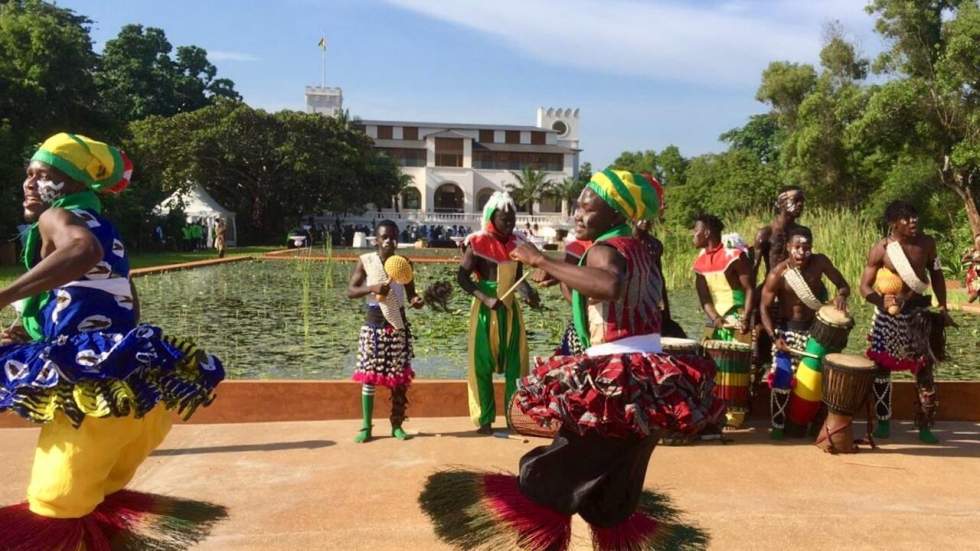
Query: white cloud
x: 724, y: 43
x: 221, y: 55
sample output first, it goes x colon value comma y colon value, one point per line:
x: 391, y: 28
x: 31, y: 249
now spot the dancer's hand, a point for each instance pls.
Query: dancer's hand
x: 781, y: 345
x: 416, y: 302
x: 743, y: 326
x: 492, y: 303
x: 533, y: 299
x: 14, y: 335
x: 840, y: 302
x: 527, y: 253
x: 380, y: 289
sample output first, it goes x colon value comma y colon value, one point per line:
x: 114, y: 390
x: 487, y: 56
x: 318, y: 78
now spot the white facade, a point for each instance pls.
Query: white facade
x: 456, y: 167
x: 324, y: 99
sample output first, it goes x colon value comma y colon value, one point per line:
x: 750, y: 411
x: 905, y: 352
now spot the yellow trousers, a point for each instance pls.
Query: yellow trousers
x: 74, y: 469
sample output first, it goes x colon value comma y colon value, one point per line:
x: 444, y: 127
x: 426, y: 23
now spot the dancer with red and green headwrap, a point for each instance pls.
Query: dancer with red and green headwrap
x: 609, y: 403
x: 497, y: 341
x: 79, y: 363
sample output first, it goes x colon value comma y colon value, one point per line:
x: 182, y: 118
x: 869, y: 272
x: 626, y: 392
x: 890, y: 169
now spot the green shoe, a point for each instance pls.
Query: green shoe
x: 364, y: 435
x: 776, y: 434
x: 883, y: 429
x: 927, y: 437
x: 400, y: 434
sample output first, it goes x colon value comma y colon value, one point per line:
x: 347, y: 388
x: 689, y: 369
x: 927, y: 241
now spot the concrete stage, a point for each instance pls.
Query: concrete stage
x: 306, y: 485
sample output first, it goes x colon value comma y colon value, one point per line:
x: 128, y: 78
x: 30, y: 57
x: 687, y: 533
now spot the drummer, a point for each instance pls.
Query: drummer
x: 794, y: 291
x: 724, y: 283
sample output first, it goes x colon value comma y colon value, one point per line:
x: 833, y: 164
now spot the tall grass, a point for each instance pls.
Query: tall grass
x: 844, y: 236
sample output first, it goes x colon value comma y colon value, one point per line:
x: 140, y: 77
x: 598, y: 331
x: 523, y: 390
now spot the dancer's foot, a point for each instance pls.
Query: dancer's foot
x: 484, y: 429
x: 927, y: 437
x: 399, y: 433
x: 883, y: 429
x: 363, y: 436
x: 776, y: 434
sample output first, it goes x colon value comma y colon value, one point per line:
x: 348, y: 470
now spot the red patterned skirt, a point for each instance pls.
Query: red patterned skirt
x: 620, y: 395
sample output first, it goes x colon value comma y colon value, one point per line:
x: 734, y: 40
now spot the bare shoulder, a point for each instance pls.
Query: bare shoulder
x: 763, y: 235
x: 602, y: 255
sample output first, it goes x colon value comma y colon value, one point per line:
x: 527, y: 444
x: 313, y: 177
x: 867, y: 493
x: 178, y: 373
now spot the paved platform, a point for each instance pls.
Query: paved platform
x: 306, y: 485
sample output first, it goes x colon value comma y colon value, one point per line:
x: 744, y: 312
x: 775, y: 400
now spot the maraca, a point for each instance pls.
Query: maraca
x: 887, y: 283
x: 399, y: 269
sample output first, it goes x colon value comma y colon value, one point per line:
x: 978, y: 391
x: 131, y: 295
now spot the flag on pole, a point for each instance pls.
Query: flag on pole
x: 322, y: 43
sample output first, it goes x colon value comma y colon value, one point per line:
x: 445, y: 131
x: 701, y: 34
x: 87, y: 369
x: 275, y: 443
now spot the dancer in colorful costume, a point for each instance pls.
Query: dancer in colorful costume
x: 80, y: 363
x: 912, y: 339
x: 972, y: 261
x: 769, y: 250
x: 610, y: 402
x: 384, y: 350
x: 794, y: 290
x: 725, y: 289
x: 497, y: 342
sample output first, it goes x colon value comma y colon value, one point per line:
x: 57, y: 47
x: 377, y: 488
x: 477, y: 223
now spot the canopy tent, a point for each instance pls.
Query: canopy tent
x: 200, y: 206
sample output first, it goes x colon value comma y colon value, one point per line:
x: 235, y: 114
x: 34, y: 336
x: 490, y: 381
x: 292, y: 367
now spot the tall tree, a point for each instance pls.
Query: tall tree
x: 271, y: 168
x: 930, y: 106
x: 46, y: 86
x: 568, y: 191
x: 532, y: 185
x: 138, y: 77
x: 760, y: 135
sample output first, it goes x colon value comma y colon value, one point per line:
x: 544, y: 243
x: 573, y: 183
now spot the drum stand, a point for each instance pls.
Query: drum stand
x: 868, y: 439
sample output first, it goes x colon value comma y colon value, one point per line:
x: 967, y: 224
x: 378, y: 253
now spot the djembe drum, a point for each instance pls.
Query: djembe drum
x: 733, y: 360
x: 521, y: 423
x: 846, y: 386
x: 828, y: 335
x: 680, y: 347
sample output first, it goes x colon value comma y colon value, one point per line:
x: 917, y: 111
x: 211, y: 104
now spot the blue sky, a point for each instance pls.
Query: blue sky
x: 644, y: 74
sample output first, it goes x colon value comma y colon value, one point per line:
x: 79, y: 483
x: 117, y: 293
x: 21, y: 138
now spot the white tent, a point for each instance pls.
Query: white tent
x: 200, y: 206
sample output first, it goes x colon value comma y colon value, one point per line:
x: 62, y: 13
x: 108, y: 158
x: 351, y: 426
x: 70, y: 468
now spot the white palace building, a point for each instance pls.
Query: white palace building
x: 455, y: 168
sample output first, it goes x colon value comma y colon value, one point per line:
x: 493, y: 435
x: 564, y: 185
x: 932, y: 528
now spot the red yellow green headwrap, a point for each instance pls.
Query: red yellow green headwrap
x: 97, y: 165
x: 633, y: 195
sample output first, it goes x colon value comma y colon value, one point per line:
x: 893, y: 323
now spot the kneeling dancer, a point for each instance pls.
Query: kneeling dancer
x: 610, y: 402
x: 80, y: 364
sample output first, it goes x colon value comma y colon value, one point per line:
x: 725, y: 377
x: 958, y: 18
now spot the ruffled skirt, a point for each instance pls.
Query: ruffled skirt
x: 622, y: 395
x: 384, y: 356
x: 102, y: 374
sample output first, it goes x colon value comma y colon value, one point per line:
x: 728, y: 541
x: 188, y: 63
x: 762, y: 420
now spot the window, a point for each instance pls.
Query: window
x: 384, y: 132
x: 448, y: 198
x: 410, y: 133
x: 508, y: 160
x: 411, y: 199
x: 512, y: 136
x: 406, y: 157
x: 449, y: 152
x: 486, y: 136
x: 482, y: 198
x: 537, y: 138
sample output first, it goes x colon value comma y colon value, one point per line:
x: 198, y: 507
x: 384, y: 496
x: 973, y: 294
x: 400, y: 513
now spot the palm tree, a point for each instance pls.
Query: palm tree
x: 568, y: 190
x: 531, y: 186
x: 405, y: 181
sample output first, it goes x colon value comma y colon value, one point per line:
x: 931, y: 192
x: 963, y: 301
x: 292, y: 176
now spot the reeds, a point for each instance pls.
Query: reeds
x: 844, y: 236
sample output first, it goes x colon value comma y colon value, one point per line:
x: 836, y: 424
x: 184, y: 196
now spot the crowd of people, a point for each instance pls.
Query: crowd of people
x: 80, y: 363
x: 625, y: 375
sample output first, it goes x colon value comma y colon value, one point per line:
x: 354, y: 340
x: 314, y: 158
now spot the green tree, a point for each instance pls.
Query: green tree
x: 532, y: 185
x: 672, y: 166
x: 761, y: 136
x: 271, y: 168
x: 568, y: 191
x: 638, y: 161
x: 930, y: 106
x: 138, y: 77
x: 784, y: 86
x: 46, y: 86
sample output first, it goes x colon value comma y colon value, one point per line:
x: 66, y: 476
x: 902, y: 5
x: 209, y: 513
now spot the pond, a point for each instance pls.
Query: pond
x: 292, y: 320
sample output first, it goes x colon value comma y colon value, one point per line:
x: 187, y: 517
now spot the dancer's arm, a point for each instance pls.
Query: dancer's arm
x: 356, y: 287
x: 463, y: 276
x: 601, y: 278
x: 76, y: 252
x: 876, y: 259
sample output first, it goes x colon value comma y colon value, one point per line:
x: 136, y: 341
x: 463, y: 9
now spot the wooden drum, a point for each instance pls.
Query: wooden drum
x: 680, y: 347
x: 831, y: 328
x: 846, y: 386
x: 522, y: 424
x: 734, y: 362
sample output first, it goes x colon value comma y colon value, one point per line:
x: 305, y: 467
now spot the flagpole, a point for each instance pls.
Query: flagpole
x: 323, y: 63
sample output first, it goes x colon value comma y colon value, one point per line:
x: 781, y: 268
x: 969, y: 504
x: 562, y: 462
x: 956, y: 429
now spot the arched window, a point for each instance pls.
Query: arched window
x: 482, y: 197
x: 411, y: 199
x: 448, y: 198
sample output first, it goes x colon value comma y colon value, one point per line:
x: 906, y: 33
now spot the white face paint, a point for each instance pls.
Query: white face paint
x: 48, y: 190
